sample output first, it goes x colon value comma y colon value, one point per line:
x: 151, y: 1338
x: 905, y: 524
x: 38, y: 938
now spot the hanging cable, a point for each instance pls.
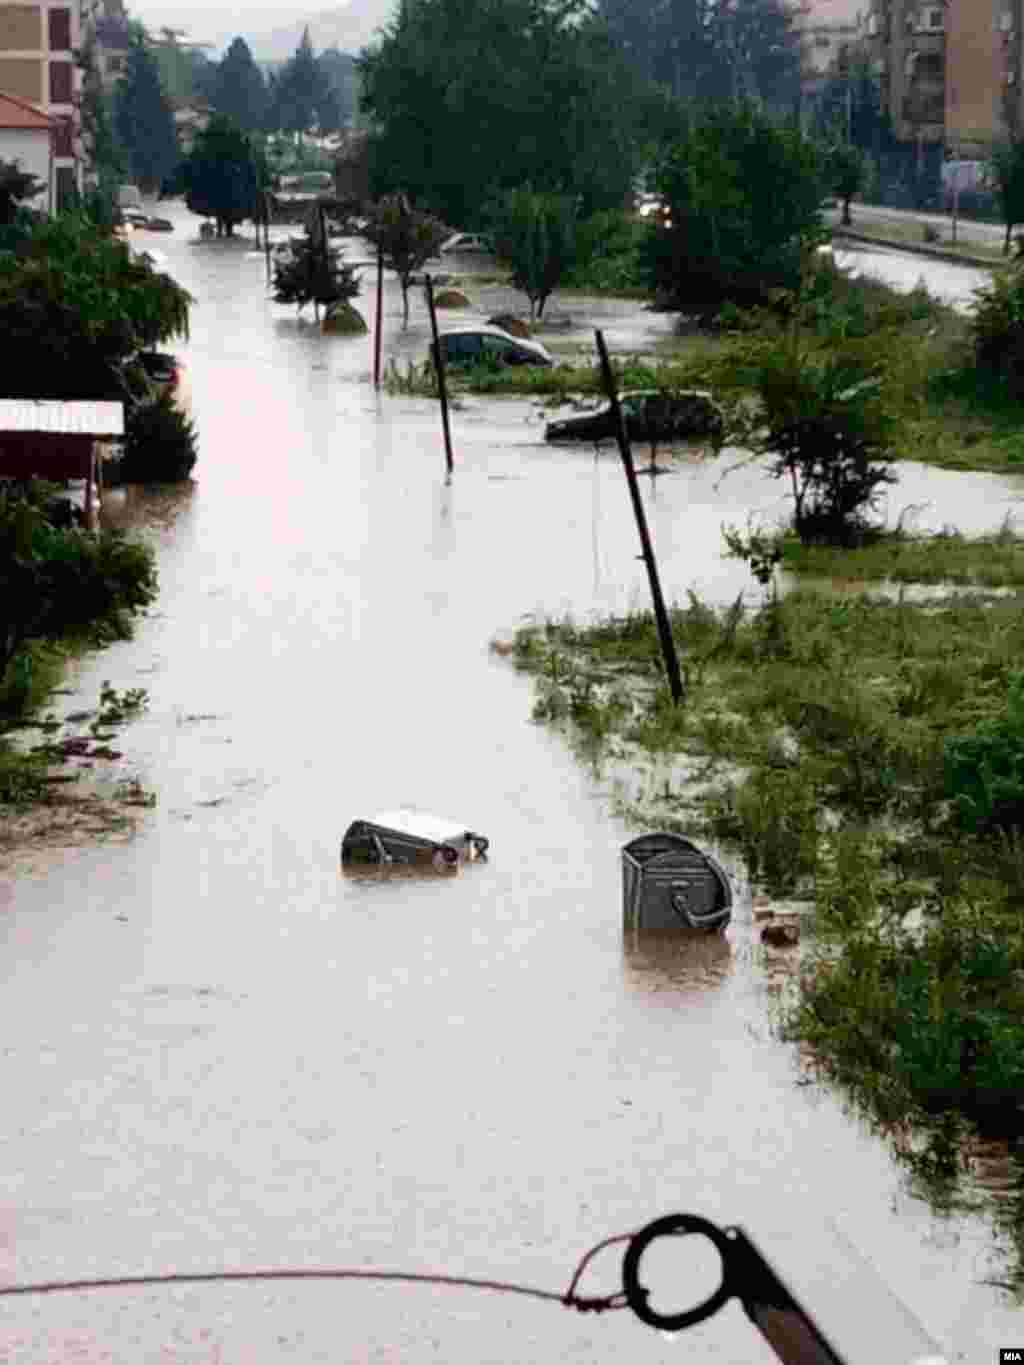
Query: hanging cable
x: 568, y: 1299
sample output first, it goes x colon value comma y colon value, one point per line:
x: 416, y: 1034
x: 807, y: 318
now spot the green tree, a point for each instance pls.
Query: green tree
x: 315, y: 273
x: 221, y: 175
x: 75, y: 305
x: 341, y: 79
x: 467, y: 101
x: 536, y: 233
x: 744, y: 194
x: 239, y: 90
x: 104, y: 158
x: 1007, y: 165
x: 407, y: 239
x: 143, y: 118
x: 846, y: 169
x: 299, y: 90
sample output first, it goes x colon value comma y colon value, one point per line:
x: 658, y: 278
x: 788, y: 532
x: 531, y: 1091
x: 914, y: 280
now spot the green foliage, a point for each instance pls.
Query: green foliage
x: 1007, y: 169
x: 846, y: 170
x: 159, y: 442
x: 406, y: 237
x: 221, y: 176
x: 143, y: 118
x: 997, y: 326
x: 825, y: 427
x: 301, y: 96
x: 711, y: 53
x: 744, y: 195
x: 105, y: 160
x: 74, y: 305
x: 609, y: 254
x: 536, y: 234
x: 985, y: 770
x: 315, y: 273
x: 54, y: 581
x: 240, y: 91
x: 467, y: 102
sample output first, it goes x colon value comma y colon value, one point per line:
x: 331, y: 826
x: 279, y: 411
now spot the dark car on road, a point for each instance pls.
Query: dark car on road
x: 649, y: 415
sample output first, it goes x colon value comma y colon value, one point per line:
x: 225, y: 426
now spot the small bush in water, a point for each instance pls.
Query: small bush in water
x: 160, y: 443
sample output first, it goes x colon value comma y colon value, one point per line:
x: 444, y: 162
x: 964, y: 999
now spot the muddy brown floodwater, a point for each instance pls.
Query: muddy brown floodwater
x: 217, y: 1051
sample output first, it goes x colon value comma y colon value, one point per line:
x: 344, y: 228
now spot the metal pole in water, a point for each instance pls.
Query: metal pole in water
x: 668, y: 647
x: 266, y: 230
x: 441, y: 384
x: 377, y: 322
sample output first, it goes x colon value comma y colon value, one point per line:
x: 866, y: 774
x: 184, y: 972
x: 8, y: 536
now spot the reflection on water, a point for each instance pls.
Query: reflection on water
x: 680, y: 962
x: 143, y: 507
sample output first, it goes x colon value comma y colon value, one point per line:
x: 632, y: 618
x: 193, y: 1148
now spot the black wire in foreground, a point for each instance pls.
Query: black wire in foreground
x: 569, y: 1299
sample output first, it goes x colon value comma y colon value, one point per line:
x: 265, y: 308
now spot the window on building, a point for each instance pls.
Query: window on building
x: 63, y: 138
x: 60, y: 30
x: 60, y: 82
x: 67, y: 188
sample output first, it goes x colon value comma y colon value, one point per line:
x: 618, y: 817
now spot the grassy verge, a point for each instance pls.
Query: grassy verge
x: 814, y: 741
x: 995, y: 561
x: 912, y: 234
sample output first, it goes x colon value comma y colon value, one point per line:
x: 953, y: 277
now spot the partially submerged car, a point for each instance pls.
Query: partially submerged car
x: 476, y: 345
x: 411, y: 837
x: 648, y: 415
x: 162, y: 370
x: 467, y: 244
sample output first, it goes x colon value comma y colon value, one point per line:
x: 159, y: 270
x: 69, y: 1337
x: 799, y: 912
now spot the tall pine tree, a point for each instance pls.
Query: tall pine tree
x: 143, y: 119
x: 300, y: 90
x: 240, y: 91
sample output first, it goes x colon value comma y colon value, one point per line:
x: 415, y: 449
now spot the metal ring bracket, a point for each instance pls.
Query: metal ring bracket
x: 675, y: 1225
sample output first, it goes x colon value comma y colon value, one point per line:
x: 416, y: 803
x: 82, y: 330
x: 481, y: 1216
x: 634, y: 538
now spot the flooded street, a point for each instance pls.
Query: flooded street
x: 220, y: 1052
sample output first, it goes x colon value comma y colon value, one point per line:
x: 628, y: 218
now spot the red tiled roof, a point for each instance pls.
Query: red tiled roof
x: 18, y: 113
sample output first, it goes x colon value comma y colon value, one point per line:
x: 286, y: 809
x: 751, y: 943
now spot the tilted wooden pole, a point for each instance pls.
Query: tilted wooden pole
x: 668, y: 647
x: 441, y: 383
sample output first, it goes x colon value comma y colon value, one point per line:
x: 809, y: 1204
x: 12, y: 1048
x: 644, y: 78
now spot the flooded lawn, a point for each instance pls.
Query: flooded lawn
x: 219, y: 1051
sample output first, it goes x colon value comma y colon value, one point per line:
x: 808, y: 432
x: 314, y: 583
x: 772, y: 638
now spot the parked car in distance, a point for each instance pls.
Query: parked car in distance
x: 479, y: 345
x: 466, y: 243
x: 136, y: 218
x: 161, y: 369
x: 649, y: 415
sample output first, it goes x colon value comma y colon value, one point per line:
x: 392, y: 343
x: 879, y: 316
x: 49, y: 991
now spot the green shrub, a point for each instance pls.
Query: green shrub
x: 985, y: 771
x: 823, y: 422
x: 57, y: 581
x: 609, y: 253
x: 159, y: 444
x: 997, y: 327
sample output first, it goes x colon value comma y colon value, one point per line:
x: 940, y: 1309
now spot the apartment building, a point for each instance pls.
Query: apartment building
x: 106, y: 23
x: 950, y: 72
x: 38, y: 39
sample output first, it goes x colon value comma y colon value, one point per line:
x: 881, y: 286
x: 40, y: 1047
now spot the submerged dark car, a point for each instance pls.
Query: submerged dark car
x: 649, y: 415
x: 411, y: 837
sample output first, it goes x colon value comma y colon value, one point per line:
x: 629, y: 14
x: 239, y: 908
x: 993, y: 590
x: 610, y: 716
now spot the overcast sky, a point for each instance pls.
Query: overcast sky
x: 218, y: 22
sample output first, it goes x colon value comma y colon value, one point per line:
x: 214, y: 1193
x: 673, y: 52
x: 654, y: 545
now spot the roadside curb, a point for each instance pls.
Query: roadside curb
x: 933, y: 253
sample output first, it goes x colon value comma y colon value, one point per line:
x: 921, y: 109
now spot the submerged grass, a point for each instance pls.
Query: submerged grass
x: 815, y: 729
x: 995, y: 561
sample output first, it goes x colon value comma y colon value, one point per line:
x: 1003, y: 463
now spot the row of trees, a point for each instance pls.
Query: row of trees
x: 133, y: 134
x: 710, y: 50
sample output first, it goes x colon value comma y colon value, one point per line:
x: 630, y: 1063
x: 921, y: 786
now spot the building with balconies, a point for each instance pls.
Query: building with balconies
x: 950, y: 72
x: 38, y: 41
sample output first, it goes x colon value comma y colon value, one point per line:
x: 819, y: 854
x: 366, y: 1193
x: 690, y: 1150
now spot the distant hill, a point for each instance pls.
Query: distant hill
x: 348, y: 27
